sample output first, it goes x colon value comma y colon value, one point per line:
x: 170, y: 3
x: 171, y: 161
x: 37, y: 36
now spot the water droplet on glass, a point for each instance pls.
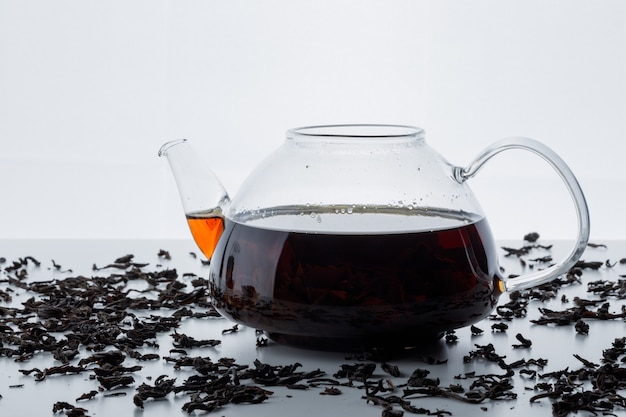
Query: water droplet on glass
x: 350, y: 210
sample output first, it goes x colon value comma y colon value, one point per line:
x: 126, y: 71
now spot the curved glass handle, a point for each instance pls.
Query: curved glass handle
x: 582, y: 212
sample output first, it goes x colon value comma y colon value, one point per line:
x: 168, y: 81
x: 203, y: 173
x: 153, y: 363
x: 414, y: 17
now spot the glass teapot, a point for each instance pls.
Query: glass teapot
x: 352, y: 237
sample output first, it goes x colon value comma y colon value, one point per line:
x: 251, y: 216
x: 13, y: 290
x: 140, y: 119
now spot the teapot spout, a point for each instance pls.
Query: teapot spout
x: 203, y: 196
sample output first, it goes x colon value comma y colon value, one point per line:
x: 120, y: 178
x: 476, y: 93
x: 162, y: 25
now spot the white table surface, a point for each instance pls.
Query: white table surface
x: 23, y: 396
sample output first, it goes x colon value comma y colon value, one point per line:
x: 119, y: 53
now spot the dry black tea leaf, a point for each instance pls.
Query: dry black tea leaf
x: 499, y: 327
x: 124, y: 259
x: 524, y: 250
x: 543, y: 259
x: 70, y: 410
x: 87, y: 396
x: 356, y: 372
x: 233, y: 329
x: 262, y: 341
x: 115, y: 394
x: 161, y: 388
x: 164, y: 254
x: 115, y: 381
x: 183, y: 341
x: 451, y: 337
x: 590, y: 265
x: 581, y: 327
x: 331, y: 391
x: 392, y: 370
x: 596, y: 245
x: 531, y: 237
x: 524, y: 343
x: 476, y: 330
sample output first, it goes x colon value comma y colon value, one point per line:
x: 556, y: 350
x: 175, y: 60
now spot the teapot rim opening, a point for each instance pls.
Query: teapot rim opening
x: 357, y: 132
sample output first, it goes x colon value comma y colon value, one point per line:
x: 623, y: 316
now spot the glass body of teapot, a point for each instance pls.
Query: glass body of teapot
x: 354, y: 237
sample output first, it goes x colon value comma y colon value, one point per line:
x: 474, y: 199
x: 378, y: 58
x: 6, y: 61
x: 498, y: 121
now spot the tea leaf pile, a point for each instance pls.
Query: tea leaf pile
x: 106, y: 326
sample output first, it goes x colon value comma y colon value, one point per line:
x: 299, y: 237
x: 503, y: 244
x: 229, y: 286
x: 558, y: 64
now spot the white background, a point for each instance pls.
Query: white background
x: 89, y: 90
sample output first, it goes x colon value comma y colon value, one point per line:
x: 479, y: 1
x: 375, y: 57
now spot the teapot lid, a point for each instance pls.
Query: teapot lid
x: 360, y: 132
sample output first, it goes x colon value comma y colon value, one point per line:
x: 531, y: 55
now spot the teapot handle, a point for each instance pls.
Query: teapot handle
x: 539, y: 277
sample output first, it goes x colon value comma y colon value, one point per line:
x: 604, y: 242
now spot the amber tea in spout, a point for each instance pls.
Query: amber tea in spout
x: 206, y: 229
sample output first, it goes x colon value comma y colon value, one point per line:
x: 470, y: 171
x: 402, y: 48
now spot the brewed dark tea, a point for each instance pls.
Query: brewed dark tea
x: 356, y: 291
x: 206, y: 231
